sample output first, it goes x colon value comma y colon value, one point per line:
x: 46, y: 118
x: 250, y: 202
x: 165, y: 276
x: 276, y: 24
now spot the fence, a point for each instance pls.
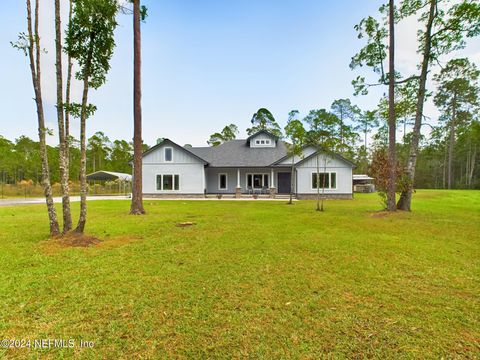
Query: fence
x: 28, y: 189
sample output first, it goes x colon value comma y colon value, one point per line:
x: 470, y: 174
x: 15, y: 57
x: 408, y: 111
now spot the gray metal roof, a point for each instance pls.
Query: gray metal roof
x: 237, y: 153
x: 109, y: 175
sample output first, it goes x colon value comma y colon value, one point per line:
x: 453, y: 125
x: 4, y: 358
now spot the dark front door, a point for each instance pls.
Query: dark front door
x: 284, y: 182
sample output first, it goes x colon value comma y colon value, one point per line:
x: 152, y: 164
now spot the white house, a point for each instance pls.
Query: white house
x: 256, y: 165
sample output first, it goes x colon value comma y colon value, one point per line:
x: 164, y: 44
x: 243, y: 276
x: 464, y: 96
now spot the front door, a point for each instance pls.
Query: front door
x: 284, y: 182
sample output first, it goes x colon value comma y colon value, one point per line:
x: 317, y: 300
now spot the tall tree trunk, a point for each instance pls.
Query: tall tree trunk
x: 137, y: 196
x: 445, y: 158
x: 324, y: 176
x: 67, y: 99
x: 82, y: 220
x: 392, y: 126
x: 67, y: 217
x: 34, y: 59
x: 451, y: 142
x: 405, y: 201
x: 292, y: 179
x: 472, y: 166
x: 366, y: 134
x: 318, y: 183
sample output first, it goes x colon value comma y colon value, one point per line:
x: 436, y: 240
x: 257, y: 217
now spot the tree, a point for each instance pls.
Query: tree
x: 98, y: 151
x: 392, y: 121
x: 444, y: 31
x: 136, y: 207
x: 30, y: 44
x: 120, y: 156
x: 457, y: 94
x: 366, y: 122
x: 63, y: 154
x: 91, y: 42
x: 374, y: 55
x: 295, y: 132
x: 324, y: 134
x: 345, y: 110
x: 264, y: 120
x: 228, y: 133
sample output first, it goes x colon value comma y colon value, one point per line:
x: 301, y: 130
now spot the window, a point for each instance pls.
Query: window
x: 222, y: 181
x: 262, y: 142
x: 168, y: 154
x: 333, y: 180
x: 267, y: 142
x: 257, y: 142
x: 168, y: 182
x: 257, y: 181
x: 327, y: 179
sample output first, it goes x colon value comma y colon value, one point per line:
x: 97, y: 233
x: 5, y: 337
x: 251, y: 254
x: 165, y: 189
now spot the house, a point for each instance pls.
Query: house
x: 256, y: 165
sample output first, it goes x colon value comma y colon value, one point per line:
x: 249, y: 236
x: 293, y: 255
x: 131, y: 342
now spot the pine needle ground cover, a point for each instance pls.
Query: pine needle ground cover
x: 248, y: 279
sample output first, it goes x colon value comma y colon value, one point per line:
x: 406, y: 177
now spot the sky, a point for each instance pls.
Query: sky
x: 206, y: 64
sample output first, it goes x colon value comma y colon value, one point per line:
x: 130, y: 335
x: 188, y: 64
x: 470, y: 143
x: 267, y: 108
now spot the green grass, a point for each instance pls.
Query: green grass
x: 249, y: 280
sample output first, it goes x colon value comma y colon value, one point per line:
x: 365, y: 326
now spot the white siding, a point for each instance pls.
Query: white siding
x: 341, y: 168
x: 179, y: 156
x: 306, y: 153
x: 187, y: 166
x: 264, y: 137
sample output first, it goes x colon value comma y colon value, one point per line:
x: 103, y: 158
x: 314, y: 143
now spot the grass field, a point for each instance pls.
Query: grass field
x: 250, y: 280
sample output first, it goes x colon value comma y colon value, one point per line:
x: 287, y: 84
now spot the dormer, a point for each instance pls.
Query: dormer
x: 262, y: 139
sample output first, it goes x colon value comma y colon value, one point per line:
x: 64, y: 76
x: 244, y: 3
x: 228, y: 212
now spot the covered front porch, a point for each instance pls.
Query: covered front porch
x: 248, y: 181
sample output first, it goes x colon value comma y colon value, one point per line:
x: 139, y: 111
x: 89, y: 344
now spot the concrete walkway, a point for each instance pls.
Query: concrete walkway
x: 33, y: 201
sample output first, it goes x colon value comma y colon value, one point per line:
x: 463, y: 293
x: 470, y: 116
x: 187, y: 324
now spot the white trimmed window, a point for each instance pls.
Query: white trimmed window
x: 168, y: 182
x: 222, y: 182
x: 168, y: 151
x: 258, y: 181
x: 328, y: 179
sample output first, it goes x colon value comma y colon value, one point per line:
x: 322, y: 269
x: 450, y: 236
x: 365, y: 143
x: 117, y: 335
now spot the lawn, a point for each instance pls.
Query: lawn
x: 251, y: 279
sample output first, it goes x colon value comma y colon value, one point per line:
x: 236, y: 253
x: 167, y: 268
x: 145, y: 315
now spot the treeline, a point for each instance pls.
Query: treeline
x: 20, y: 158
x: 451, y: 151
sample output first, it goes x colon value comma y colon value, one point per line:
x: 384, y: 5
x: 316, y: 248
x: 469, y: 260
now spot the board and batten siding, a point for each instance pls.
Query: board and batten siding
x: 188, y: 167
x: 340, y: 167
x: 305, y: 153
x: 263, y: 137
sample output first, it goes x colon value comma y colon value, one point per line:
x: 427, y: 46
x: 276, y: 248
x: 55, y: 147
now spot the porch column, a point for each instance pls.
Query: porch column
x: 272, y: 184
x: 238, y: 189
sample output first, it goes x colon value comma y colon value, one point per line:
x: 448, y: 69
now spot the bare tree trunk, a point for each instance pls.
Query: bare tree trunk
x: 67, y: 217
x: 82, y: 220
x: 292, y: 179
x: 445, y: 166
x: 324, y: 176
x: 451, y: 142
x: 34, y: 59
x: 392, y: 126
x: 366, y: 133
x: 318, y: 184
x: 472, y: 166
x: 405, y: 201
x: 67, y: 100
x: 137, y: 196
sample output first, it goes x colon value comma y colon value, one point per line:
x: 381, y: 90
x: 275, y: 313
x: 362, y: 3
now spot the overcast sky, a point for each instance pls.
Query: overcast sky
x: 207, y: 64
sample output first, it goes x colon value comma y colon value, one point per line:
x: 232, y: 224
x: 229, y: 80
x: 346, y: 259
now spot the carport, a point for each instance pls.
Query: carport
x: 123, y: 180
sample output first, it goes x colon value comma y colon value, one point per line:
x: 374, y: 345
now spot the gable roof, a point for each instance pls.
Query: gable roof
x: 340, y: 157
x: 109, y: 175
x: 262, y: 132
x: 170, y: 142
x: 237, y: 153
